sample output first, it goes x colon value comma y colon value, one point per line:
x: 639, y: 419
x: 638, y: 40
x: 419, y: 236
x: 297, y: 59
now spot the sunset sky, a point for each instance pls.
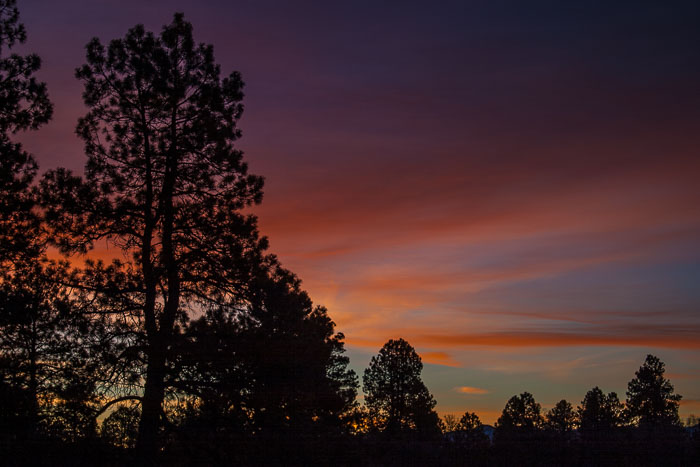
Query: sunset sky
x: 512, y: 187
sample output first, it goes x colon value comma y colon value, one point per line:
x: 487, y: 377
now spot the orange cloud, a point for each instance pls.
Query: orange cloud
x: 471, y: 390
x: 653, y: 337
x: 439, y: 358
x: 668, y: 338
x: 483, y: 203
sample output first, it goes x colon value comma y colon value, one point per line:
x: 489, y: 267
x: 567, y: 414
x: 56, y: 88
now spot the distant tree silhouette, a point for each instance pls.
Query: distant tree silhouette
x: 560, y: 422
x: 518, y: 430
x: 164, y: 183
x: 650, y: 397
x: 601, y: 418
x: 469, y: 422
x: 599, y: 412
x: 561, y: 418
x: 395, y: 395
x: 466, y: 443
x: 449, y: 422
x: 521, y: 413
x: 471, y: 430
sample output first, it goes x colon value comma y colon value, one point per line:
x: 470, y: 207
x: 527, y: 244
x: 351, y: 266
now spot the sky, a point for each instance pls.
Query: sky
x: 512, y: 187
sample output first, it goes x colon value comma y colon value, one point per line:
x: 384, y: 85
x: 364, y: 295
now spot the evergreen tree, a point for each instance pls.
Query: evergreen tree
x: 471, y: 430
x: 164, y: 183
x: 272, y: 377
x: 599, y: 412
x: 561, y: 418
x: 394, y: 392
x: 521, y: 413
x: 24, y: 104
x: 299, y: 372
x: 45, y: 374
x: 560, y: 423
x: 279, y: 366
x: 650, y: 397
x: 519, y: 431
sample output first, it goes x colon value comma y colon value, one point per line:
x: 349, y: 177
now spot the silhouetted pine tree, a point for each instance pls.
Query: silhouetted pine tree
x: 164, y: 183
x: 650, y: 397
x: 518, y: 434
x: 274, y: 373
x: 653, y: 408
x: 397, y: 398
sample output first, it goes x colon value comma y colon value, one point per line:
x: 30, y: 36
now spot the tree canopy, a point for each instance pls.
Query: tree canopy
x: 561, y: 418
x: 278, y: 367
x: 471, y: 430
x: 650, y: 396
x: 521, y: 413
x: 164, y: 183
x: 395, y: 394
x: 24, y: 105
x: 38, y: 335
x: 599, y: 412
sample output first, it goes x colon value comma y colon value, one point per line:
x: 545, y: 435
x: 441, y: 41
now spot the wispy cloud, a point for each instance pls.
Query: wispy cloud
x: 439, y: 358
x: 471, y: 390
x: 668, y: 337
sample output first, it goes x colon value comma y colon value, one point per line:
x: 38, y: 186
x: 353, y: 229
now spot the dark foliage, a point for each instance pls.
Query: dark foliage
x: 650, y: 397
x: 521, y: 413
x: 43, y: 365
x: 562, y: 418
x: 164, y: 183
x: 519, y: 428
x: 46, y: 351
x: 275, y: 373
x: 601, y: 419
x: 599, y: 413
x: 395, y: 395
x: 24, y: 104
x: 467, y: 444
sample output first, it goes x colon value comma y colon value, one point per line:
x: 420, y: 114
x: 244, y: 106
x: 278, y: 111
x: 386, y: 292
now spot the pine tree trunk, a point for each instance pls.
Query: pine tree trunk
x: 151, y: 407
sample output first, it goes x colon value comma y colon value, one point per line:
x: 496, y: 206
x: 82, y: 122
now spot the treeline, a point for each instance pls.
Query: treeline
x: 194, y: 345
x: 602, y: 430
x: 398, y: 426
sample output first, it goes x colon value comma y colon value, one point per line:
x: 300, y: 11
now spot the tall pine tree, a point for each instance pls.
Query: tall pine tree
x: 395, y: 394
x: 164, y: 183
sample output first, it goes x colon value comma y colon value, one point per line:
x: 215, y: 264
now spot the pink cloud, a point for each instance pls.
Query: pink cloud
x: 471, y: 390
